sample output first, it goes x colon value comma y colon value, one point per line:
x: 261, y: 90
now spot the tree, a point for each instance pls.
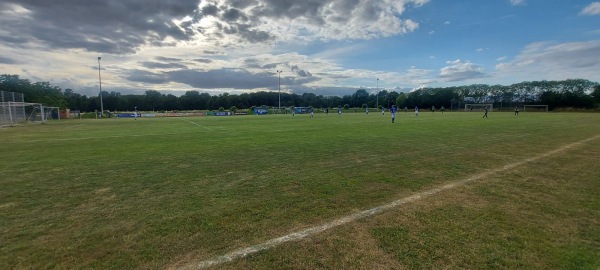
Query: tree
x: 154, y: 100
x: 596, y: 94
x: 401, y: 100
x: 360, y: 97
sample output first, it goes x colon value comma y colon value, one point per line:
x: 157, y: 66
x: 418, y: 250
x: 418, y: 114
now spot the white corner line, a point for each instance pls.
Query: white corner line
x: 241, y: 253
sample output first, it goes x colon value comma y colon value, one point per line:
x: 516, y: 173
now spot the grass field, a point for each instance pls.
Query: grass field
x: 173, y: 192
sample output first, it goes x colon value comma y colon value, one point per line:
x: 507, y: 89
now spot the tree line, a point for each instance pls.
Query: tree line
x: 577, y: 93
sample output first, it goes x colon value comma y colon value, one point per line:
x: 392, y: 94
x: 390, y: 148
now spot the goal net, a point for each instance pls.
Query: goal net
x: 478, y: 107
x: 535, y: 108
x: 13, y: 113
x: 14, y: 110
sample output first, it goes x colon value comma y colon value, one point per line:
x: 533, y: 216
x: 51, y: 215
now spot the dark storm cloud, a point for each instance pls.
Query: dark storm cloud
x: 108, y: 26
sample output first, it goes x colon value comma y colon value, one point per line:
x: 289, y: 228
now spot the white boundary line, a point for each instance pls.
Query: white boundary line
x: 197, y: 124
x: 95, y: 138
x: 241, y: 253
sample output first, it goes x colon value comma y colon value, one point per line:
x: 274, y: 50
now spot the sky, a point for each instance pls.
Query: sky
x: 326, y: 47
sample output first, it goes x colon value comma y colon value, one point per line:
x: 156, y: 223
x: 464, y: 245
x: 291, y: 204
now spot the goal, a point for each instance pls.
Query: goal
x: 535, y: 108
x: 478, y: 107
x: 12, y: 113
x: 14, y: 110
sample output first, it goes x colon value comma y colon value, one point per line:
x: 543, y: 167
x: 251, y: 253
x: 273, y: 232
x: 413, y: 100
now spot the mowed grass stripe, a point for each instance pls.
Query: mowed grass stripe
x: 153, y: 201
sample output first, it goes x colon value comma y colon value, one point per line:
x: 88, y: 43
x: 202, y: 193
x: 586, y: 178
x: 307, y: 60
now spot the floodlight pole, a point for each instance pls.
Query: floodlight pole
x: 279, y: 75
x: 100, y: 80
x: 377, y: 102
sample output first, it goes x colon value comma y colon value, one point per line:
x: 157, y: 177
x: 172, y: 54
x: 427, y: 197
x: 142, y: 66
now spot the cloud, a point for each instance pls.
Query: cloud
x: 203, y: 60
x: 591, y: 9
x: 558, y: 61
x: 158, y: 65
x: 6, y: 60
x: 108, y: 26
x: 517, y: 2
x: 234, y: 79
x: 300, y: 72
x: 259, y: 21
x: 461, y: 70
x: 125, y: 27
x: 146, y: 77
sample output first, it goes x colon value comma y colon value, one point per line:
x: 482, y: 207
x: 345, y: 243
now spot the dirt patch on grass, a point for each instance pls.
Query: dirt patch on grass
x: 7, y: 205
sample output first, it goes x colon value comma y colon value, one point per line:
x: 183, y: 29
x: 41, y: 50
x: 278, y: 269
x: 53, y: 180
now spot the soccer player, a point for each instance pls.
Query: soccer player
x: 393, y: 110
x: 442, y: 109
x: 339, y: 110
x: 293, y: 111
x: 485, y: 109
x: 432, y: 109
x: 312, y: 112
x: 367, y: 109
x: 382, y: 111
x: 417, y: 111
x: 517, y: 111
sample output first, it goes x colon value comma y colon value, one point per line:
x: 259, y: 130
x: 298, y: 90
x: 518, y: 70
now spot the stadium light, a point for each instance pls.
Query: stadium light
x: 279, y: 74
x: 100, y: 80
x: 377, y: 102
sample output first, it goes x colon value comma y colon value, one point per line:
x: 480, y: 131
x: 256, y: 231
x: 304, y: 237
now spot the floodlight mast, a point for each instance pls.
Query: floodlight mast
x: 100, y: 80
x: 377, y: 102
x: 279, y: 75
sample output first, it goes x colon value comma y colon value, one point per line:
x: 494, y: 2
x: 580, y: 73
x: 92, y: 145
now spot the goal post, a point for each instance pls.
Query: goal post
x: 535, y: 108
x: 13, y: 113
x: 14, y: 110
x: 479, y: 107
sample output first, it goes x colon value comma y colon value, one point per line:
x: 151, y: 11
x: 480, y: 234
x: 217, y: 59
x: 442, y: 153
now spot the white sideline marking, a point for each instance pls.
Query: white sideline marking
x: 241, y: 253
x: 197, y: 124
x: 94, y: 138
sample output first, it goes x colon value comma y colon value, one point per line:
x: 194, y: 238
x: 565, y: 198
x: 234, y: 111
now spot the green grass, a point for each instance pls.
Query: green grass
x: 156, y: 193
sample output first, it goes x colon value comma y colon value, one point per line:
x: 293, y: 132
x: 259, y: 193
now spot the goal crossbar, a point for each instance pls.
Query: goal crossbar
x: 14, y: 112
x: 468, y: 107
x: 536, y: 106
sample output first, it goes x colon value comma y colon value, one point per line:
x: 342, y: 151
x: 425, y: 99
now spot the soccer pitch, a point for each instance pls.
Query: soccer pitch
x: 176, y: 192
